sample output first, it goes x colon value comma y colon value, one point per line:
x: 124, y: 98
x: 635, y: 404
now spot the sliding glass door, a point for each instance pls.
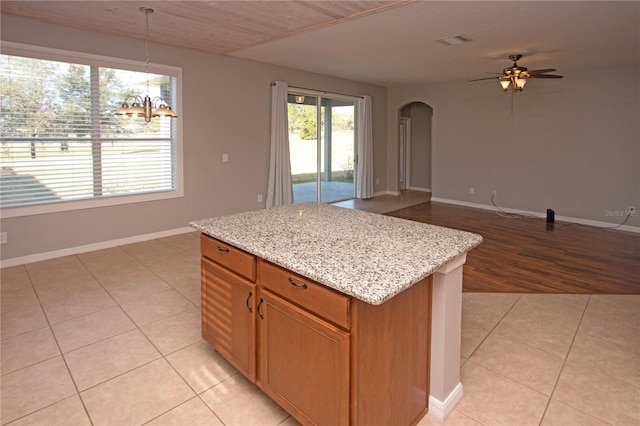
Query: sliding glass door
x: 303, y: 146
x: 322, y: 147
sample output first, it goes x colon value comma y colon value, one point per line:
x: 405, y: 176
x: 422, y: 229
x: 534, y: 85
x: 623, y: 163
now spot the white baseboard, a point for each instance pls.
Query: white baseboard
x: 92, y: 247
x: 577, y: 220
x: 441, y: 409
x: 419, y: 189
x: 463, y: 203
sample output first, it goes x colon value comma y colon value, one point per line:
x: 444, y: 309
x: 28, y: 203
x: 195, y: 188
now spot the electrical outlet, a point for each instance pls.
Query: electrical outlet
x: 259, y: 198
x: 377, y: 181
x: 472, y: 190
x: 494, y: 193
x: 3, y: 238
x: 225, y: 158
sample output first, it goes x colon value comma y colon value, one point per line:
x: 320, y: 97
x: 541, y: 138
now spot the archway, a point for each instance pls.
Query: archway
x: 414, y: 147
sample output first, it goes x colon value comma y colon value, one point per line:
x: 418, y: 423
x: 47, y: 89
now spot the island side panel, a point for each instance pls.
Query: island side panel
x: 391, y: 358
x: 446, y: 336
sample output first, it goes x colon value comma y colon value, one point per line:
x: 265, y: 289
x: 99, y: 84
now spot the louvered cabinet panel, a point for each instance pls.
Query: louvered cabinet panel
x: 228, y: 316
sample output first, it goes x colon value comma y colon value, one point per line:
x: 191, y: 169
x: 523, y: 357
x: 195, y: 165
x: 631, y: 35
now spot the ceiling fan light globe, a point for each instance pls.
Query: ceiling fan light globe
x: 504, y: 83
x: 520, y: 82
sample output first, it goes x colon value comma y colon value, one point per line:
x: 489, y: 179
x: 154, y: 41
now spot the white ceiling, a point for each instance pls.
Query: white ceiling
x: 396, y: 45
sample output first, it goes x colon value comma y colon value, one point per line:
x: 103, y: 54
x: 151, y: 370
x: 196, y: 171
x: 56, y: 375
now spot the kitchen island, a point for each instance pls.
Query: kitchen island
x: 340, y: 316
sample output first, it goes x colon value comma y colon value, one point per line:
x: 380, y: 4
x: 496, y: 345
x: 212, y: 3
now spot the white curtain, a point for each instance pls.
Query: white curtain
x: 280, y: 190
x: 364, y: 142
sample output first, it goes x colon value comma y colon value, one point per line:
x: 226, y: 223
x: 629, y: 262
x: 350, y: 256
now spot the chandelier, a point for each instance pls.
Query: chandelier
x: 136, y: 106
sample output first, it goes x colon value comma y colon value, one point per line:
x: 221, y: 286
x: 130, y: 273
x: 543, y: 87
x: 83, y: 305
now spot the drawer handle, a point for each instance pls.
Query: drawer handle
x: 247, y: 302
x: 224, y: 249
x: 295, y: 284
x: 260, y: 304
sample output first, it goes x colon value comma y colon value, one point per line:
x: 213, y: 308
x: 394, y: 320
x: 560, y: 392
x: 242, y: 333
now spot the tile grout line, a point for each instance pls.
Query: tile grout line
x: 162, y: 356
x: 511, y: 379
x: 64, y: 359
x: 61, y: 354
x: 494, y: 327
x: 564, y: 362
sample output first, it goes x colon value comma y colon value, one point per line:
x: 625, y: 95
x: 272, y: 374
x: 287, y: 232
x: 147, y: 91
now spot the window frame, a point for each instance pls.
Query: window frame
x: 45, y: 53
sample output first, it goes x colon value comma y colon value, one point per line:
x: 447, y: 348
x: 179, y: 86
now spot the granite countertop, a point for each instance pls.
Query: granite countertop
x: 365, y: 255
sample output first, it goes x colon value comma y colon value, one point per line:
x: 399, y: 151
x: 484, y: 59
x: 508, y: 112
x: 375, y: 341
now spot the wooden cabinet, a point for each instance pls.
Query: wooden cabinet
x: 237, y: 261
x: 304, y: 362
x: 322, y: 301
x: 304, y: 346
x: 325, y: 357
x: 229, y: 306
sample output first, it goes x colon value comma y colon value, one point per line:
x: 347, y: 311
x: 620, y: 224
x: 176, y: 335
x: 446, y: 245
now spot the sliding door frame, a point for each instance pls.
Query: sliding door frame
x: 320, y: 167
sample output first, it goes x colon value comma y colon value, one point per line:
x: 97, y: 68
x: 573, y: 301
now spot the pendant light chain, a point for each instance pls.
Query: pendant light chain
x: 146, y: 11
x: 146, y: 107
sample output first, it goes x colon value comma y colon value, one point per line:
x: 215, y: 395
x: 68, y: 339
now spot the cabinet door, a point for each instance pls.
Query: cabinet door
x: 228, y: 316
x: 304, y: 362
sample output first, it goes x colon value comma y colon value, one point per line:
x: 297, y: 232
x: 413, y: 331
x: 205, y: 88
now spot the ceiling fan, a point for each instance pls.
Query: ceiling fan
x: 516, y: 76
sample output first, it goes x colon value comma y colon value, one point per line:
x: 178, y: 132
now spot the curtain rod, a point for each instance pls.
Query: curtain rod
x: 321, y: 91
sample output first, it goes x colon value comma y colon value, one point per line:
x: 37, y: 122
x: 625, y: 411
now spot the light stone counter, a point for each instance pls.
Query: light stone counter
x: 365, y: 255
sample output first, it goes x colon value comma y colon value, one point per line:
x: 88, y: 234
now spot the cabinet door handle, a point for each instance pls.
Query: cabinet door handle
x: 295, y: 284
x: 247, y: 302
x: 224, y: 249
x: 260, y: 304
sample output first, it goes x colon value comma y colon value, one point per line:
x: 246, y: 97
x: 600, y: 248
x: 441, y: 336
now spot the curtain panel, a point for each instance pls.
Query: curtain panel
x: 279, y: 190
x: 364, y: 148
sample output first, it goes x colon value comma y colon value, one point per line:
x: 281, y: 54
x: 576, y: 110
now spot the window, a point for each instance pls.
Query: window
x: 62, y: 146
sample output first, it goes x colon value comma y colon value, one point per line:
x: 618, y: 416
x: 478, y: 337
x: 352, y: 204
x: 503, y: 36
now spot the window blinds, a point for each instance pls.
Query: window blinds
x: 60, y: 140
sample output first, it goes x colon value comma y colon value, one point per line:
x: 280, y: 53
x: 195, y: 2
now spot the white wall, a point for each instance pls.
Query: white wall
x: 572, y: 145
x: 226, y: 109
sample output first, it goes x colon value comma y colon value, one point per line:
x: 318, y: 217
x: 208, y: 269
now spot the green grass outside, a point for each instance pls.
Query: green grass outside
x: 337, y: 176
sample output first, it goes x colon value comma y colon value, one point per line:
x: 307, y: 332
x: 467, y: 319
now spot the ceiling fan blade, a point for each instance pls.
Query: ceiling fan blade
x: 480, y: 79
x: 516, y: 72
x: 542, y: 71
x: 545, y: 76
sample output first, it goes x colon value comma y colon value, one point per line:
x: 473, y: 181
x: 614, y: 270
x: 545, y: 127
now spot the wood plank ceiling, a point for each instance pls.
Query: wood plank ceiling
x: 218, y: 27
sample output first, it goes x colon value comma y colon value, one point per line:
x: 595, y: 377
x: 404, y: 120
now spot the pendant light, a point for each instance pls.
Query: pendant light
x: 146, y: 107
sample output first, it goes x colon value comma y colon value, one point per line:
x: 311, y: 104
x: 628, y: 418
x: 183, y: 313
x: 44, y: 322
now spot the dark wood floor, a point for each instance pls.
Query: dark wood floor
x: 527, y: 256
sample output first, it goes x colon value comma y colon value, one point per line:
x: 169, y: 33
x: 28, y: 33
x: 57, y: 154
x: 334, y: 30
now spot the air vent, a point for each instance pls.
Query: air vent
x: 456, y: 39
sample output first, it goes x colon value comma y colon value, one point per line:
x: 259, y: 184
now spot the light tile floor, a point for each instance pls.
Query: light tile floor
x: 387, y: 203
x: 112, y: 337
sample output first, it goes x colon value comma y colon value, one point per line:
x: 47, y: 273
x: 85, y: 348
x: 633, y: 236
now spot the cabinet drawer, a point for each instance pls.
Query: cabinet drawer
x: 234, y: 259
x: 308, y: 294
